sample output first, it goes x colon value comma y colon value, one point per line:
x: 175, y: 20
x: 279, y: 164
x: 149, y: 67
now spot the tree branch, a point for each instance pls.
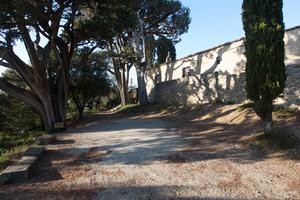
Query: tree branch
x: 22, y: 69
x: 28, y: 44
x: 21, y: 94
x: 5, y: 64
x: 110, y: 71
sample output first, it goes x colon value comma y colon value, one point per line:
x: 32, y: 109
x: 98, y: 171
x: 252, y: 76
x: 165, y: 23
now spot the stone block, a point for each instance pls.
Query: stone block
x: 19, y: 172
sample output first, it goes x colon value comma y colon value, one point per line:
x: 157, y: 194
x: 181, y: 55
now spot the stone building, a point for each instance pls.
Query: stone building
x: 218, y: 74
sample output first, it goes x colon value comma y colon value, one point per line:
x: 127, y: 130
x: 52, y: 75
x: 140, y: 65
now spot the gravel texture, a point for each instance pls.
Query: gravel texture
x: 199, y: 154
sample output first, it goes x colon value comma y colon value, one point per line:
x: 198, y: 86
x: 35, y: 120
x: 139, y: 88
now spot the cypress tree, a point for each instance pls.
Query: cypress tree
x: 265, y: 68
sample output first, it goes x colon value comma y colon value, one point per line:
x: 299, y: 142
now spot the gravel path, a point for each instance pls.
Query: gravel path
x: 130, y: 159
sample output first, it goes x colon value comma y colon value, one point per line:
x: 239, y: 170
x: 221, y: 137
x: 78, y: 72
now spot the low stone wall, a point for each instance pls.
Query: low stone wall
x: 227, y: 88
x: 204, y: 89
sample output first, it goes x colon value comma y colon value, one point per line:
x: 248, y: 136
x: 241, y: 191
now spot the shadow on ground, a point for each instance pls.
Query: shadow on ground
x: 202, y: 133
x: 155, y: 134
x: 116, y: 192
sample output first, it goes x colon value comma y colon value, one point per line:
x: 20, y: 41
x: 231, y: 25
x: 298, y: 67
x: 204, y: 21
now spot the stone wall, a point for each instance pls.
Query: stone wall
x: 219, y: 74
x: 223, y: 87
x: 209, y: 88
x: 291, y: 94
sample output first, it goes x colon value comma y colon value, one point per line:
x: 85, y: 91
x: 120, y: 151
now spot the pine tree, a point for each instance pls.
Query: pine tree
x: 164, y: 47
x: 265, y: 68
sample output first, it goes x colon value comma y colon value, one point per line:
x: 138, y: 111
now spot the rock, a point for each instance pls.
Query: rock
x: 16, y: 173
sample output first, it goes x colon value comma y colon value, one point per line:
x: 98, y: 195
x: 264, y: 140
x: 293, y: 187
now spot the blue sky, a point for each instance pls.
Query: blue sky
x: 213, y: 22
x: 218, y: 21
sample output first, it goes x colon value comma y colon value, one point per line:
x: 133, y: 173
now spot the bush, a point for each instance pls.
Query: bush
x: 16, y: 116
x: 13, y: 143
x: 112, y: 103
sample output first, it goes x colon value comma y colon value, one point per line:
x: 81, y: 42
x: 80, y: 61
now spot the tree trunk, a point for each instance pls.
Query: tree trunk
x: 268, y: 123
x: 79, y: 105
x: 119, y: 72
x: 42, y: 101
x: 47, y: 82
x: 80, y: 113
x: 142, y: 93
x: 80, y: 109
x: 139, y: 45
x: 52, y: 115
x: 123, y: 88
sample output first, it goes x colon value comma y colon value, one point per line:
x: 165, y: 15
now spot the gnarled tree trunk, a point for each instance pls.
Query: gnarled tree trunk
x: 46, y: 93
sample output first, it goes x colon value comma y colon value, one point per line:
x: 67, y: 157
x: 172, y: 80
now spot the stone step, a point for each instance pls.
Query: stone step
x: 19, y: 172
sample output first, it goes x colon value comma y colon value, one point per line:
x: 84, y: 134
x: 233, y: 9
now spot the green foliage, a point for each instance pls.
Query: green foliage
x: 72, y: 112
x: 14, y: 143
x: 129, y: 108
x: 16, y: 115
x: 164, y: 18
x: 164, y: 22
x: 265, y: 68
x: 165, y: 46
x: 13, y: 77
x: 103, y: 20
x: 89, y: 76
x: 89, y: 79
x: 113, y: 102
x: 54, y: 29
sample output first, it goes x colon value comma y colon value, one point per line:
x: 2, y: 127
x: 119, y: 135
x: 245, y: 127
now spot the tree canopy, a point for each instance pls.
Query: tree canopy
x: 157, y: 18
x: 51, y: 29
x: 89, y: 79
x: 165, y: 50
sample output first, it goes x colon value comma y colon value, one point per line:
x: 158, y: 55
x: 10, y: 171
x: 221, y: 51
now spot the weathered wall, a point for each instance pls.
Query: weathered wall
x: 228, y: 83
x: 291, y: 93
x: 292, y: 46
x: 208, y: 88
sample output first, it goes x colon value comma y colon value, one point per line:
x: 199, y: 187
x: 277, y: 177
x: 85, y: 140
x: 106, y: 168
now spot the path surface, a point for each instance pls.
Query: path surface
x: 137, y: 159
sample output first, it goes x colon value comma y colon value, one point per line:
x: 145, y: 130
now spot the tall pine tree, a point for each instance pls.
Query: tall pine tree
x: 265, y: 68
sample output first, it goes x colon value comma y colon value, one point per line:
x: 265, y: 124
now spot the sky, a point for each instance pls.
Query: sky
x: 213, y: 22
x: 218, y: 21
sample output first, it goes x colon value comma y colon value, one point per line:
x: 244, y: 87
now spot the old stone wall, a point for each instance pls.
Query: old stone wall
x: 218, y: 74
x: 291, y: 94
x: 209, y: 88
x: 222, y: 87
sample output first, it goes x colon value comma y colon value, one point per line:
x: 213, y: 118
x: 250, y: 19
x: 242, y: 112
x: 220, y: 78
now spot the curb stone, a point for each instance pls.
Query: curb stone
x: 19, y: 172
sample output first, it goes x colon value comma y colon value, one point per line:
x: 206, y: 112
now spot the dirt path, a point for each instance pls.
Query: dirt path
x: 207, y: 157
